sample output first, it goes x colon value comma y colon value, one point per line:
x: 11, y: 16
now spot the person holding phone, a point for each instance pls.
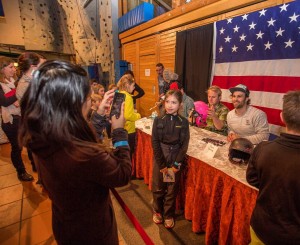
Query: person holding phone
x: 126, y: 86
x: 74, y: 169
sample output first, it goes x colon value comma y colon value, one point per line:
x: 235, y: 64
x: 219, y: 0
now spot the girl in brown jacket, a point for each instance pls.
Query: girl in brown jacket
x: 76, y: 172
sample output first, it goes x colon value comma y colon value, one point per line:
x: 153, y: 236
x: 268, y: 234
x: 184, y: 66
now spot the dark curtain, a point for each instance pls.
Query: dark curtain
x: 194, y: 54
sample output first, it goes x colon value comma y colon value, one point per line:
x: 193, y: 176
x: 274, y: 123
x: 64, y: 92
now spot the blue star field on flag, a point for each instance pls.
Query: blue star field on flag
x: 272, y: 33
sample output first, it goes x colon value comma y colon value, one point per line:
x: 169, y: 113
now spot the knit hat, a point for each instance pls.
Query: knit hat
x: 168, y: 76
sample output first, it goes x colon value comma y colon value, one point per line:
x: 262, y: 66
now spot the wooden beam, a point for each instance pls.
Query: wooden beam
x: 167, y: 16
x: 215, y: 11
x: 231, y: 14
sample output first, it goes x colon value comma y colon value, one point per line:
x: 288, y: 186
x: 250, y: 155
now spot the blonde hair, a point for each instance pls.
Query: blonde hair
x: 96, y: 88
x: 96, y: 97
x: 124, y: 82
x: 112, y: 85
x: 215, y: 89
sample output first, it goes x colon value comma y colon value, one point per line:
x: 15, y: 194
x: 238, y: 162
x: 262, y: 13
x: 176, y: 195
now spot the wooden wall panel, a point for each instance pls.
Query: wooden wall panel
x: 147, y: 62
x: 131, y: 55
x: 167, y: 49
x: 147, y: 45
x: 130, y: 52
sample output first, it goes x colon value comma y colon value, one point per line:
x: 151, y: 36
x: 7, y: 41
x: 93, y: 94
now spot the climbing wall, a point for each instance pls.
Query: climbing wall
x: 78, y: 27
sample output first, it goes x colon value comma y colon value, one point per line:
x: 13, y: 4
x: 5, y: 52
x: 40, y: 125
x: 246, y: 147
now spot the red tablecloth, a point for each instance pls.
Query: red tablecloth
x: 216, y: 203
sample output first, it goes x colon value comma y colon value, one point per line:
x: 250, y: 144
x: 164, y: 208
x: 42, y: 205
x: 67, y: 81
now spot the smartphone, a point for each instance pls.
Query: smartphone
x: 116, y: 105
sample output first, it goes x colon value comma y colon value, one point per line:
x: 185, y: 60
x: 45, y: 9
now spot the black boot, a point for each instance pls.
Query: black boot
x: 24, y: 176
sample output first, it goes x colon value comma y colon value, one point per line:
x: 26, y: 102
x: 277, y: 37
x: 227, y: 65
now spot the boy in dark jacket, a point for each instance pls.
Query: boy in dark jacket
x: 274, y: 169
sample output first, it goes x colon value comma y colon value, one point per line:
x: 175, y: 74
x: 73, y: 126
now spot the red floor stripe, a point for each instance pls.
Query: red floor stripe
x: 133, y: 219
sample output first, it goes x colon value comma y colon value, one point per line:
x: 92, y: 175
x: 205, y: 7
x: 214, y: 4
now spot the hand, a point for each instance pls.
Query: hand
x: 175, y: 170
x: 162, y: 96
x: 231, y: 136
x: 164, y: 170
x: 106, y: 102
x: 211, y: 112
x: 17, y: 104
x: 190, y: 117
x: 118, y: 122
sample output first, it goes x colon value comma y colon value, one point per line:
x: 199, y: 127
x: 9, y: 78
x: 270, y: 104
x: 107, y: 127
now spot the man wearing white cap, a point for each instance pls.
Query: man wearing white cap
x: 246, y: 121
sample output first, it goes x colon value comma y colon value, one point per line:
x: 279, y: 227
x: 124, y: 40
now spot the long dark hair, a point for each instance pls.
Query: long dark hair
x: 51, y: 108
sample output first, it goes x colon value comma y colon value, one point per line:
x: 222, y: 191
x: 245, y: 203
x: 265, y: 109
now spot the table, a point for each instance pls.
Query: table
x: 218, y: 199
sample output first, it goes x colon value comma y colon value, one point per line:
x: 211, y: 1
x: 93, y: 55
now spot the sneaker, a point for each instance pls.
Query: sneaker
x: 169, y: 223
x: 157, y: 218
x: 25, y: 176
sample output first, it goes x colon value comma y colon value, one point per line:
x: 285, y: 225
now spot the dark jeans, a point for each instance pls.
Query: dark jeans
x: 11, y: 131
x: 164, y: 194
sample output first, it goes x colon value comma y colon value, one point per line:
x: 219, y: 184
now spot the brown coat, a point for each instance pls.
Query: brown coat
x: 82, y: 211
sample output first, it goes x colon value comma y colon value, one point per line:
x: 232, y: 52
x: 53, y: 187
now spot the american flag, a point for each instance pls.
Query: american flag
x: 262, y: 51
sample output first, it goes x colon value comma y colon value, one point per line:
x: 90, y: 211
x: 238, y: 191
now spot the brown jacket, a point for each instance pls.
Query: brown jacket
x: 82, y: 211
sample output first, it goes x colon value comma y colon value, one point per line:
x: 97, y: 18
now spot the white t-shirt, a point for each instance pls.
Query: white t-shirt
x: 253, y: 125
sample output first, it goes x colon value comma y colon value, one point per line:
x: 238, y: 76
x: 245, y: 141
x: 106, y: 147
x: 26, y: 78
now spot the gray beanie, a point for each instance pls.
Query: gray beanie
x: 168, y: 76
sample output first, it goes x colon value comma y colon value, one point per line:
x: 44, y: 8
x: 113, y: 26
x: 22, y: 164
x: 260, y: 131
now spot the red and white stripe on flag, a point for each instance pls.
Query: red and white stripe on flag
x: 262, y: 51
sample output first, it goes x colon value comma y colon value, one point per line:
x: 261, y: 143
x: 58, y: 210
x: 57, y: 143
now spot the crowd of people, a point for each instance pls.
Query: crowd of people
x: 272, y: 167
x: 244, y: 121
x: 62, y: 119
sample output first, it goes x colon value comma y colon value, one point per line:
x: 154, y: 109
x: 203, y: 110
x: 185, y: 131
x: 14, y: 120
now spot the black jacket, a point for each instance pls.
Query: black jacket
x: 274, y: 168
x: 170, y: 130
x: 140, y: 93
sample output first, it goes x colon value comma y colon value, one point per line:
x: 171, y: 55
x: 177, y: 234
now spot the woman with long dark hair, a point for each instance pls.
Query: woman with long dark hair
x: 74, y: 169
x: 10, y: 110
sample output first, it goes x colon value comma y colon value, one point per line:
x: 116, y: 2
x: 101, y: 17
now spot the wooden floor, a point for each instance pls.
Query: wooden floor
x: 25, y: 209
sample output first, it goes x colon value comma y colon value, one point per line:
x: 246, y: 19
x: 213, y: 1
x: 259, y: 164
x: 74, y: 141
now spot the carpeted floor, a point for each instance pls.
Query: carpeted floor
x: 138, y: 197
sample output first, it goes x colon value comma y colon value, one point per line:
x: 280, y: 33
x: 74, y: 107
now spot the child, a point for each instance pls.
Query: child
x: 95, y: 102
x: 138, y: 92
x: 98, y: 89
x: 170, y: 139
x: 92, y: 116
x: 126, y: 86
